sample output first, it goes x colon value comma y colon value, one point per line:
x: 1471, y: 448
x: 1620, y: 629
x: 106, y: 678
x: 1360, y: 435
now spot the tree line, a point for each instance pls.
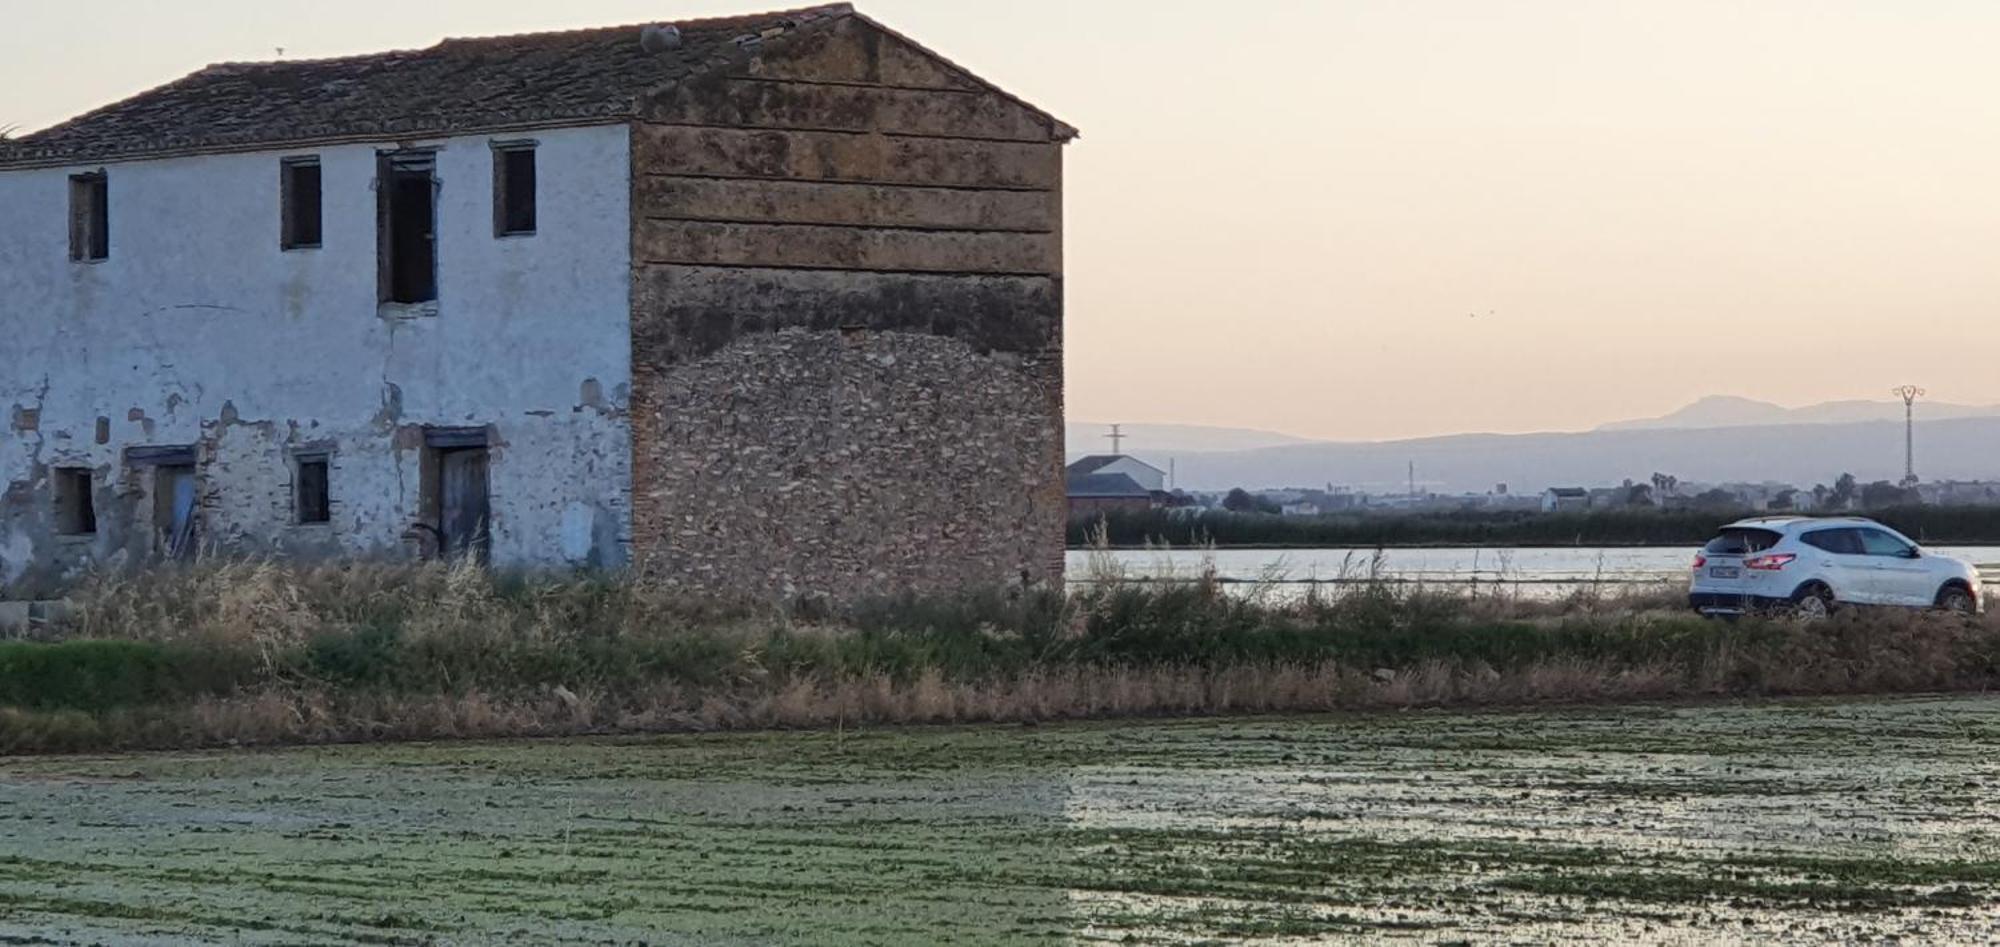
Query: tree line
x: 1632, y: 526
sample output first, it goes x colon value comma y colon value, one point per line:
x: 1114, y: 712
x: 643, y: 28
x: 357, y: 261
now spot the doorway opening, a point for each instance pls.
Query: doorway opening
x: 457, y: 502
x: 173, y: 510
x: 170, y: 472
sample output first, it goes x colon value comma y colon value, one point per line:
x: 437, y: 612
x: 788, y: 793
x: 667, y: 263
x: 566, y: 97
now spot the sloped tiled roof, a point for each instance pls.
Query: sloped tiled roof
x: 1097, y: 486
x: 1092, y: 464
x: 1097, y: 462
x: 458, y: 86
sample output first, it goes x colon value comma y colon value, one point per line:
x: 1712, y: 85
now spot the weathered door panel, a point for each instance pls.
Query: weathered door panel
x: 464, y: 510
x: 174, y: 510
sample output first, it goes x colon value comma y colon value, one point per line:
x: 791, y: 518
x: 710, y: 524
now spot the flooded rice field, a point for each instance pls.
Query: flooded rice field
x: 1777, y: 822
x: 1526, y: 571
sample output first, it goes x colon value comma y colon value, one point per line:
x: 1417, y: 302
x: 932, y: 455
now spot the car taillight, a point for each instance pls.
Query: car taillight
x: 1769, y: 563
x: 1700, y: 560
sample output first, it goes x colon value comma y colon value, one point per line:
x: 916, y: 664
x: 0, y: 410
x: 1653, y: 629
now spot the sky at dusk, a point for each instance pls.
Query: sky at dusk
x: 1391, y: 218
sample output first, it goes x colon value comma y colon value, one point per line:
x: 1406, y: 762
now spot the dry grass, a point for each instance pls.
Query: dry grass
x: 277, y: 716
x: 274, y: 606
x: 369, y: 652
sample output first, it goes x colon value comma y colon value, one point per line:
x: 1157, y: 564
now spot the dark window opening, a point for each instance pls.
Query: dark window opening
x: 89, y: 217
x: 299, y: 188
x: 513, y: 189
x: 76, y: 510
x: 406, y: 226
x: 311, y: 496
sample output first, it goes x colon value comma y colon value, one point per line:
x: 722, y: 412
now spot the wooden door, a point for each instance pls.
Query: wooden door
x: 173, y: 509
x: 463, y: 507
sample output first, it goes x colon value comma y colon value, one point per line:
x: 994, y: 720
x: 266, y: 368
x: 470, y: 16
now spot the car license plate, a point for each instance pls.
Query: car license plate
x: 1724, y: 572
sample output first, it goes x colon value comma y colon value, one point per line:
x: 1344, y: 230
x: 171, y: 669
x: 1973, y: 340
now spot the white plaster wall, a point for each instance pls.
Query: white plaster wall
x: 199, y: 329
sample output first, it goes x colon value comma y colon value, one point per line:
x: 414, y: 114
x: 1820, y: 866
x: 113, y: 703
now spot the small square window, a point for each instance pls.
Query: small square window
x: 89, y: 217
x: 300, y: 197
x: 76, y: 511
x: 310, y: 496
x: 513, y: 189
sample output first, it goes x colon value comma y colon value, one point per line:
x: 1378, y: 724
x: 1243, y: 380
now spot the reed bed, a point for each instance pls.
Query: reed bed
x: 267, y: 653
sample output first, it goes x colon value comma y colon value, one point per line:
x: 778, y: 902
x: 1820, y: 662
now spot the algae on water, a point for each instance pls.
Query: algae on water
x: 1824, y: 821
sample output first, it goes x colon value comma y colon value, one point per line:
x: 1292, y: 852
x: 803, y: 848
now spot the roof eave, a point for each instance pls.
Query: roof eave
x: 21, y: 153
x: 1060, y: 132
x: 25, y: 160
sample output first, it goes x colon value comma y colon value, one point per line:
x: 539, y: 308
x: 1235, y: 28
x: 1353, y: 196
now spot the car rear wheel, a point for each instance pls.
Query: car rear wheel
x: 1812, y: 603
x: 1955, y: 599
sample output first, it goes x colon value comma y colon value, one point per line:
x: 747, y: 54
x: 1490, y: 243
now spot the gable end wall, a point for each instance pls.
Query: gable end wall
x: 847, y: 328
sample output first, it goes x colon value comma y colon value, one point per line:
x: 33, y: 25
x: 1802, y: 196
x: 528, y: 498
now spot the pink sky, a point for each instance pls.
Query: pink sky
x: 1395, y: 217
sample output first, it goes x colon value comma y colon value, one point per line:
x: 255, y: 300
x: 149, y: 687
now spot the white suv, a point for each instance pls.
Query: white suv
x: 1809, y: 565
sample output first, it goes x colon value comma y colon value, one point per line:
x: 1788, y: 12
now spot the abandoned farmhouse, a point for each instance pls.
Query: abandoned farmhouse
x: 768, y: 305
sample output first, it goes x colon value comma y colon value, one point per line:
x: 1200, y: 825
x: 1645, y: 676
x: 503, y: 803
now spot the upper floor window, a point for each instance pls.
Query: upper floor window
x: 298, y: 185
x: 513, y: 188
x: 406, y: 226
x: 89, y: 217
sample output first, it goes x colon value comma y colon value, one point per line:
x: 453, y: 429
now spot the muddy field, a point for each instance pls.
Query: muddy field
x: 1768, y: 823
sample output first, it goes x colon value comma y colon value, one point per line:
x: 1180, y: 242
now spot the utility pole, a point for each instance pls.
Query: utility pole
x: 1117, y: 437
x: 1413, y: 480
x: 1909, y: 394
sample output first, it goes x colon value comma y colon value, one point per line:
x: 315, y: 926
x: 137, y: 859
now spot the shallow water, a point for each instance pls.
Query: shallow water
x: 1528, y: 570
x: 1443, y: 564
x: 1828, y: 821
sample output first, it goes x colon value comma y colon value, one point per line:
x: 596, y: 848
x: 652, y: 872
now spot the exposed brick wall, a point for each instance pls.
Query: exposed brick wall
x: 846, y: 328
x: 803, y: 463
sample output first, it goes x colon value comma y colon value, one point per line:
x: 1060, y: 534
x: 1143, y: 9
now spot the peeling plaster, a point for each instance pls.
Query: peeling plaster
x: 201, y: 331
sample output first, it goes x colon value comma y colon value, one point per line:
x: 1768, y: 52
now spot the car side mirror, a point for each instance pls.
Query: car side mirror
x: 1913, y: 553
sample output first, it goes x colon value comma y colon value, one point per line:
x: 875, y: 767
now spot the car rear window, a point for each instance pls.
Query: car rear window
x: 1742, y: 540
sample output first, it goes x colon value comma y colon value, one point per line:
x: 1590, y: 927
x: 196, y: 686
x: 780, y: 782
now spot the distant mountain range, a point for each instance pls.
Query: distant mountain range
x: 1087, y: 437
x: 1712, y: 440
x: 1728, y: 411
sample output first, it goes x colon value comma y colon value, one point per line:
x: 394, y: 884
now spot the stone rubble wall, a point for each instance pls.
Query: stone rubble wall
x: 802, y: 464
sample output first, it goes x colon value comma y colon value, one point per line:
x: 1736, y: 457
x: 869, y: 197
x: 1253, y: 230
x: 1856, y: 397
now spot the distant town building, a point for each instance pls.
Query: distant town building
x: 1300, y: 508
x: 1094, y: 493
x: 1608, y: 498
x: 1562, y: 499
x: 1144, y: 474
x: 1960, y: 493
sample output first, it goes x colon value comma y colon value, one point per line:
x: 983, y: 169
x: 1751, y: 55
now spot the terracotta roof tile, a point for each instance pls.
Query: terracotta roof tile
x: 459, y: 86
